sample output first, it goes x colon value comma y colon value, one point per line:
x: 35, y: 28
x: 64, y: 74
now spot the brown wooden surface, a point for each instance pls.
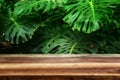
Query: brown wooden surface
x: 60, y: 67
x: 60, y: 78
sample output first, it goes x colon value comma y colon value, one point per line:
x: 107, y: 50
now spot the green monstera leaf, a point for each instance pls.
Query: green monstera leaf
x: 18, y: 31
x: 26, y: 7
x: 87, y: 15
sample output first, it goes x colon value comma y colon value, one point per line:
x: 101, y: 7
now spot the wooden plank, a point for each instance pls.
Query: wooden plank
x: 60, y: 78
x: 60, y: 65
x: 60, y: 55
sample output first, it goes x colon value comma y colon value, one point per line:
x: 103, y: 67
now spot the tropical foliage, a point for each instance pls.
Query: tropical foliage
x: 61, y: 26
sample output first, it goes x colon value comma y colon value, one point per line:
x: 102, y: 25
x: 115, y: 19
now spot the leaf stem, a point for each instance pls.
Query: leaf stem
x: 12, y: 19
x: 72, y: 48
x: 92, y: 8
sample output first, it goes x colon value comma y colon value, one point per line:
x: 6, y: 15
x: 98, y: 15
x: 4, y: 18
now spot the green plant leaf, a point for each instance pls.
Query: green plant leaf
x: 60, y: 40
x: 87, y: 15
x: 27, y: 7
x: 18, y: 31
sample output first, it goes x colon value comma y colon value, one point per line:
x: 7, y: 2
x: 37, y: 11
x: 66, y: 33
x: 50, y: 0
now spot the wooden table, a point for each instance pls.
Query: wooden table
x: 60, y: 67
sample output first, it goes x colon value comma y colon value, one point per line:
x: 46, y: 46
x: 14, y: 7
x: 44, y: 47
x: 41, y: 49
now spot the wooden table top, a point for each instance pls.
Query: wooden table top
x: 59, y: 65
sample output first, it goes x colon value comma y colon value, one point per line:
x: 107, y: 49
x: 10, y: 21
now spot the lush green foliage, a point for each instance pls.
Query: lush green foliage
x: 61, y: 26
x: 27, y: 7
x: 87, y: 15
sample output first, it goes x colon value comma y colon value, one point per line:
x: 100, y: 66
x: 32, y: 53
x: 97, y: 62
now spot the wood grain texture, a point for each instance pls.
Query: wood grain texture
x: 60, y: 67
x: 60, y: 78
